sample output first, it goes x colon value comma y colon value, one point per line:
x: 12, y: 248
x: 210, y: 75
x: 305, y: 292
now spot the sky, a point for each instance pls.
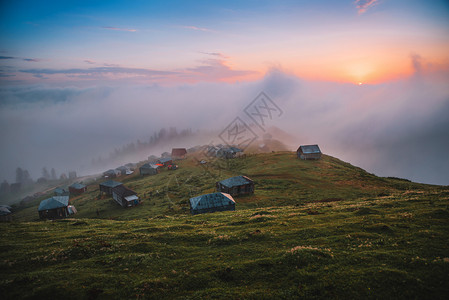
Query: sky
x: 369, y: 76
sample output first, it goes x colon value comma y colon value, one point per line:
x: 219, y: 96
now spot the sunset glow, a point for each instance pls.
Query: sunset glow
x: 73, y: 68
x: 342, y: 43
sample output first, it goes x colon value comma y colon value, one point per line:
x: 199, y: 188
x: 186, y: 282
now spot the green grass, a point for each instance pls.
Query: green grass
x: 313, y: 229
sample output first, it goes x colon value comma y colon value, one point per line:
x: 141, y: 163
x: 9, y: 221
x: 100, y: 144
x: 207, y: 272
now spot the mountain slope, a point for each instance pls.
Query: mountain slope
x: 314, y: 229
x: 281, y: 179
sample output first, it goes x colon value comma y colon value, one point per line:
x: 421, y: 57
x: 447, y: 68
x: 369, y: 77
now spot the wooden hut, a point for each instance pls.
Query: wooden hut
x: 178, y: 153
x: 235, y: 186
x: 107, y: 186
x: 111, y: 173
x: 60, y: 192
x: 229, y: 152
x: 165, y: 161
x: 123, y: 170
x: 149, y: 169
x: 55, y: 207
x: 211, y: 203
x: 307, y: 152
x: 5, y: 214
x: 77, y: 188
x: 125, y: 196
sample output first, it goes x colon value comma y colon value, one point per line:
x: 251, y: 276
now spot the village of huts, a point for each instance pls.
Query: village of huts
x: 59, y: 206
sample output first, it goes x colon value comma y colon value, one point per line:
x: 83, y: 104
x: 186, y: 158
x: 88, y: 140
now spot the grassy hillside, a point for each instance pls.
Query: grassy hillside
x: 314, y: 229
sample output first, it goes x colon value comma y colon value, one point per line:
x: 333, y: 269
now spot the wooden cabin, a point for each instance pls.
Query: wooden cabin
x: 235, y: 186
x: 60, y: 192
x: 125, y: 196
x: 211, y: 203
x: 5, y: 214
x: 229, y: 152
x: 123, y: 170
x: 111, y: 173
x: 77, y: 188
x: 307, y: 152
x: 149, y: 169
x: 107, y: 186
x: 165, y: 161
x: 56, y: 207
x: 178, y: 153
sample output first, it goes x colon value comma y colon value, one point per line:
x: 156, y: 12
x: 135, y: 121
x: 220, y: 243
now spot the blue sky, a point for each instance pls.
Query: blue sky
x: 340, y: 65
x: 252, y: 36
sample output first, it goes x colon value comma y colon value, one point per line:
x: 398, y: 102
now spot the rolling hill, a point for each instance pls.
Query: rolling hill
x: 313, y: 229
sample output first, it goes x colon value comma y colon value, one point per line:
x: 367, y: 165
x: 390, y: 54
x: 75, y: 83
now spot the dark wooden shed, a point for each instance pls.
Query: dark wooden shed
x: 107, y: 186
x: 149, y: 169
x: 125, y: 196
x: 77, y: 188
x: 307, y: 152
x: 235, y: 186
x: 165, y: 161
x: 178, y: 153
x: 55, y: 207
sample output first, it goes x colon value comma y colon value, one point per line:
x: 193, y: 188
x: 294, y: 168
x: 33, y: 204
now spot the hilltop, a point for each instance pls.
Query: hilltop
x: 314, y: 229
x: 280, y: 178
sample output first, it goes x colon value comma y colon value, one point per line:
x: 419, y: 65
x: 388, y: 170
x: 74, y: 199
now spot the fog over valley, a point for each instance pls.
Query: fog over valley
x: 398, y: 128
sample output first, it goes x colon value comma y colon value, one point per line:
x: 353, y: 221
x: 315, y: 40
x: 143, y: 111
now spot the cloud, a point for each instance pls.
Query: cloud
x: 6, y: 75
x: 90, y: 62
x: 221, y: 55
x: 215, y: 70
x: 119, y: 29
x: 416, y: 63
x: 198, y: 28
x: 99, y: 70
x: 32, y: 59
x: 363, y: 5
x: 208, y: 70
x: 391, y: 129
x: 24, y: 59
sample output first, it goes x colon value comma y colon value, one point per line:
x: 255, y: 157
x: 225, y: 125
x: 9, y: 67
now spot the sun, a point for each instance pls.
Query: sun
x: 360, y: 83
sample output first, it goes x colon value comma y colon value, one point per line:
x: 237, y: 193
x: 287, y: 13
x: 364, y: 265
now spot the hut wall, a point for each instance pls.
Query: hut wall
x: 214, y: 209
x: 310, y: 156
x: 236, y: 190
x: 119, y: 199
x: 146, y: 171
x: 56, y: 213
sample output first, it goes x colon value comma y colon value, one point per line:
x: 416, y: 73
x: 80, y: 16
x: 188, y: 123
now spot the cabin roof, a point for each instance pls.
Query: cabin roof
x: 4, y: 211
x: 111, y: 183
x: 211, y: 201
x: 165, y: 159
x: 54, y: 202
x: 59, y: 190
x: 309, y: 149
x: 124, y: 191
x: 235, y: 181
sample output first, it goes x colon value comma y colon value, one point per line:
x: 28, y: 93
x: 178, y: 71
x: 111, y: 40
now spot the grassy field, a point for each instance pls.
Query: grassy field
x: 313, y: 229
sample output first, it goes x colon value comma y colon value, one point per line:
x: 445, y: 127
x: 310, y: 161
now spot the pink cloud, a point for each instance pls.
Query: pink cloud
x: 198, y: 28
x: 363, y: 5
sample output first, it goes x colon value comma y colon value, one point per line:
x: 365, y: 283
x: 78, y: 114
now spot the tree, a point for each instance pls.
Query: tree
x: 45, y: 173
x: 4, y: 188
x: 53, y: 174
x: 26, y: 179
x: 19, y: 175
